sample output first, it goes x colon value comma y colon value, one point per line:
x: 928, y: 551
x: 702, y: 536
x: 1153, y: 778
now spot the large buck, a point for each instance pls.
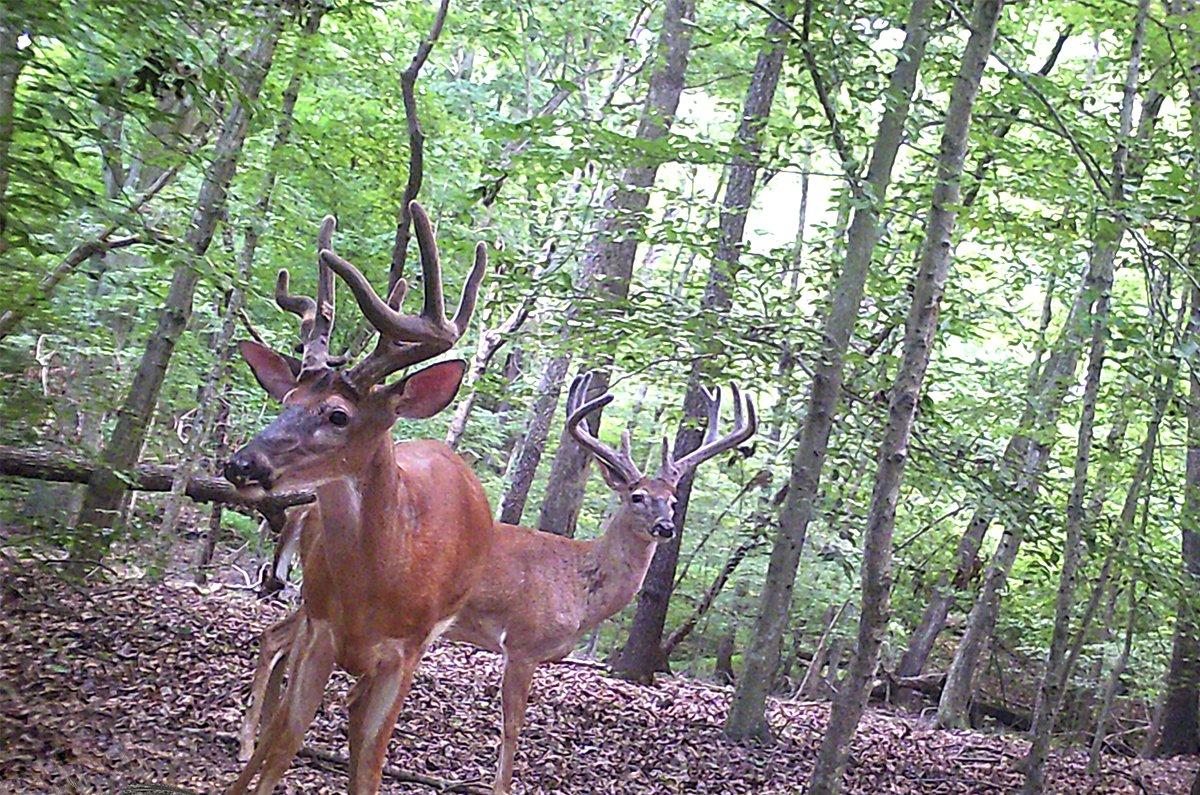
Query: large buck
x: 399, y: 533
x: 542, y: 592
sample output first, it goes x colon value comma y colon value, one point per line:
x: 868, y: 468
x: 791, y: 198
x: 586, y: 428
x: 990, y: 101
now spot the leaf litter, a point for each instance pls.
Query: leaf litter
x: 137, y: 683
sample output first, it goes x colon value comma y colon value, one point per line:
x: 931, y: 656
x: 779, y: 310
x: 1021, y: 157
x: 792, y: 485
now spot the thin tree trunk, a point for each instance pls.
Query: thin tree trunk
x: 106, y: 491
x: 1050, y: 690
x: 208, y: 543
x: 1024, y: 461
x: 416, y: 144
x: 642, y: 655
x: 1110, y: 688
x: 821, y: 654
x: 747, y: 713
x: 208, y: 405
x: 731, y: 563
x: 953, y: 707
x: 1179, y: 723
x: 11, y: 62
x: 606, y: 269
x: 920, y: 329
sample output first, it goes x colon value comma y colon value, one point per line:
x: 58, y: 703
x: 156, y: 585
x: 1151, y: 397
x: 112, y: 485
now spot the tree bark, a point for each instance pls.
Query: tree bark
x: 920, y: 329
x: 208, y: 405
x: 953, y: 708
x: 1050, y: 691
x: 1111, y: 686
x: 1179, y: 722
x: 1022, y: 462
x: 11, y: 63
x: 731, y: 563
x: 606, y: 269
x: 106, y: 492
x: 62, y: 468
x: 642, y: 654
x: 747, y: 714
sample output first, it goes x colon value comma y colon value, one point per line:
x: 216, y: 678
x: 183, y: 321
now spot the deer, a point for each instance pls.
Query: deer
x: 544, y: 592
x: 399, y: 533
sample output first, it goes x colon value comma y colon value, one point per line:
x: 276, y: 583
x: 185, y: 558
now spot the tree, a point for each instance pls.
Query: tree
x: 928, y: 289
x: 747, y: 714
x: 1179, y: 719
x: 607, y: 266
x: 106, y: 490
x: 642, y: 653
x: 1087, y: 314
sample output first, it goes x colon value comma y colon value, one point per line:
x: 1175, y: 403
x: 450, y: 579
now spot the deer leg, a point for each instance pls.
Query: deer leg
x: 514, y: 697
x: 273, y: 647
x: 375, y: 704
x: 309, y: 665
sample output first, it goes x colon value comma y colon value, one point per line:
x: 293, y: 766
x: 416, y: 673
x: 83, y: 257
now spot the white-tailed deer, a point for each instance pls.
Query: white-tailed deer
x: 399, y: 533
x: 541, y: 592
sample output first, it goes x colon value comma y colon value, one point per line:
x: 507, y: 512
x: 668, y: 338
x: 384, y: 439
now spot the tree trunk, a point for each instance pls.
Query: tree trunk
x: 1179, y: 723
x: 606, y: 269
x: 920, y: 328
x: 11, y: 62
x: 747, y: 714
x: 642, y: 653
x: 1050, y: 691
x: 808, y: 685
x: 106, y: 492
x: 208, y: 405
x: 732, y: 562
x: 955, y: 700
x: 1043, y: 402
x: 1110, y: 688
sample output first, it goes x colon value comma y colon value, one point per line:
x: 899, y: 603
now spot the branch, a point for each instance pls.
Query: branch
x: 102, y: 244
x: 1089, y: 164
x: 714, y: 590
x: 416, y: 144
x: 40, y: 464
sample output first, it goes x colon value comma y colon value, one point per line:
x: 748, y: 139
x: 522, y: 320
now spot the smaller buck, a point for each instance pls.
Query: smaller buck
x: 541, y: 593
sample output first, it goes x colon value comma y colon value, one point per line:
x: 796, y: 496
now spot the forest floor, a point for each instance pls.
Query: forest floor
x: 132, y: 683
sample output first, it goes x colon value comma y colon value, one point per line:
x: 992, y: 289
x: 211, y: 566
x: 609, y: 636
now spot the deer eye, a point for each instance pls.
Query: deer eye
x: 339, y: 418
x: 638, y: 497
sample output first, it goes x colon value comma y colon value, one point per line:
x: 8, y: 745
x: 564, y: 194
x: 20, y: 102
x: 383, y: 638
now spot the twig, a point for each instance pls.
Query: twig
x: 802, y: 34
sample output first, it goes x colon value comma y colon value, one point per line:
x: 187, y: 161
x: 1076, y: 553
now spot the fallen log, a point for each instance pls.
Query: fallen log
x: 41, y: 464
x: 931, y: 685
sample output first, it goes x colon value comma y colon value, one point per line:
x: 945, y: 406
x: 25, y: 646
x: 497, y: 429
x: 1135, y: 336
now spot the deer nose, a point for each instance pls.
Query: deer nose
x: 247, y: 468
x: 664, y: 529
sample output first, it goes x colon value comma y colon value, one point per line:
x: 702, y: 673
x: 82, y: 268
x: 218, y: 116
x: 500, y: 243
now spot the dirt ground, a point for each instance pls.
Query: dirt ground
x: 131, y: 683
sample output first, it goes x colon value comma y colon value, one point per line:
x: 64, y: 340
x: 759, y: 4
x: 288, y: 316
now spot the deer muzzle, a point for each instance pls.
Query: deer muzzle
x: 248, y: 468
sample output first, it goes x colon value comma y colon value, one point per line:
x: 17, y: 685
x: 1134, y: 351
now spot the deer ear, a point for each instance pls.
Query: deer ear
x: 426, y: 392
x: 272, y: 371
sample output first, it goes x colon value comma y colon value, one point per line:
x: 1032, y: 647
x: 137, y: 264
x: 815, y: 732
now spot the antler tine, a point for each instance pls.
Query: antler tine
x: 301, y: 305
x: 745, y: 423
x: 316, y: 344
x: 578, y: 411
x: 470, y: 293
x: 431, y: 264
x: 386, y: 320
x: 408, y: 339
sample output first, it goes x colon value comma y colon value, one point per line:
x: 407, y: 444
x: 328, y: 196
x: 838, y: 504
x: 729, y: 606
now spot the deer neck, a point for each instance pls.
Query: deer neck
x: 361, y: 504
x: 620, y: 558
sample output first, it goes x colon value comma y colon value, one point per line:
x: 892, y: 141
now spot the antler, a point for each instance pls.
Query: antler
x: 407, y: 339
x: 745, y: 423
x: 316, y: 317
x: 621, y: 464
